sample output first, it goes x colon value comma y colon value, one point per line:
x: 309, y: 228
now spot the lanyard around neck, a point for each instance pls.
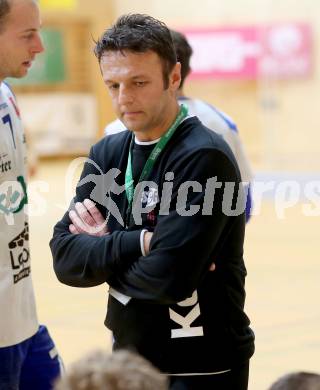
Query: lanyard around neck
x: 129, y: 183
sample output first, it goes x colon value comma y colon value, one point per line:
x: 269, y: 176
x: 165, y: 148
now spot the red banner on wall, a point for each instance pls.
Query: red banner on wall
x: 281, y: 51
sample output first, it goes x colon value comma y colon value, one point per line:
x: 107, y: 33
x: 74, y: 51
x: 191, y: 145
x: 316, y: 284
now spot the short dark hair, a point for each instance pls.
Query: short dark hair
x: 297, y: 381
x: 139, y: 33
x: 4, y: 10
x: 184, y: 52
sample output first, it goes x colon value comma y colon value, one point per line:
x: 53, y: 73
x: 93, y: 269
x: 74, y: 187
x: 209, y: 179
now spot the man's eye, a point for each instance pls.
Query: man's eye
x: 140, y: 83
x: 28, y: 36
x: 113, y: 86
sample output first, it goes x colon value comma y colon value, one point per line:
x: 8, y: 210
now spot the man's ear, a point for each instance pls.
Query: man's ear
x: 175, y: 77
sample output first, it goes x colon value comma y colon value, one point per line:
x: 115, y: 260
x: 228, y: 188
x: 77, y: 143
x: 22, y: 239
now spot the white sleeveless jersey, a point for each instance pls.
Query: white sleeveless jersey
x: 18, y: 318
x: 213, y: 119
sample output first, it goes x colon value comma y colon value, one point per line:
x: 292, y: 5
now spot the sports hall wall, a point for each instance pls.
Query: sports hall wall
x: 277, y: 119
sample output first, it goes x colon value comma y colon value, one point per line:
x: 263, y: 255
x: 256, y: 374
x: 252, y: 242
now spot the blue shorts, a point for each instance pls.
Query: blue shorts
x: 33, y: 364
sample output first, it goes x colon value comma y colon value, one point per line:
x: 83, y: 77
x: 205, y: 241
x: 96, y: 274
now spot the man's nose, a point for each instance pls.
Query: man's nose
x: 37, y: 45
x: 125, y: 96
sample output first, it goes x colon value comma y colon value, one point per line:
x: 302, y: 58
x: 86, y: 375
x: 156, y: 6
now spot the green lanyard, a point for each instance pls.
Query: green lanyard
x: 153, y: 155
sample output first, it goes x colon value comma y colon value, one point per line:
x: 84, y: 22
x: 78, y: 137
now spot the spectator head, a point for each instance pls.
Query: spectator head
x: 297, y: 381
x: 122, y: 370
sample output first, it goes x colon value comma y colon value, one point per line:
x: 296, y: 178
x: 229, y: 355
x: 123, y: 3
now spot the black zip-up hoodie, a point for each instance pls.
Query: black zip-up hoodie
x: 182, y: 317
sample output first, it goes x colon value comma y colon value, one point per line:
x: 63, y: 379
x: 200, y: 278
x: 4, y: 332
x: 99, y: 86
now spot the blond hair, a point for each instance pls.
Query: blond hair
x: 122, y: 370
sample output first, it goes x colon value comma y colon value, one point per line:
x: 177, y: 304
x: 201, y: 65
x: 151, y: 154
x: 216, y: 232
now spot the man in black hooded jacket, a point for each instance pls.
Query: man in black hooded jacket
x: 171, y: 180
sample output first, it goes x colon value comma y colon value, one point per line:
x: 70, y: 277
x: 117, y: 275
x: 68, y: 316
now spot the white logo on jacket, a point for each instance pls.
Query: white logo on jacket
x: 187, y: 330
x: 150, y: 198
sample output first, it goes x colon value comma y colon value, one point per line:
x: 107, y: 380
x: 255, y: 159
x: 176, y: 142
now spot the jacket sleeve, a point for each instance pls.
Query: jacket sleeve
x: 83, y: 260
x: 183, y: 247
